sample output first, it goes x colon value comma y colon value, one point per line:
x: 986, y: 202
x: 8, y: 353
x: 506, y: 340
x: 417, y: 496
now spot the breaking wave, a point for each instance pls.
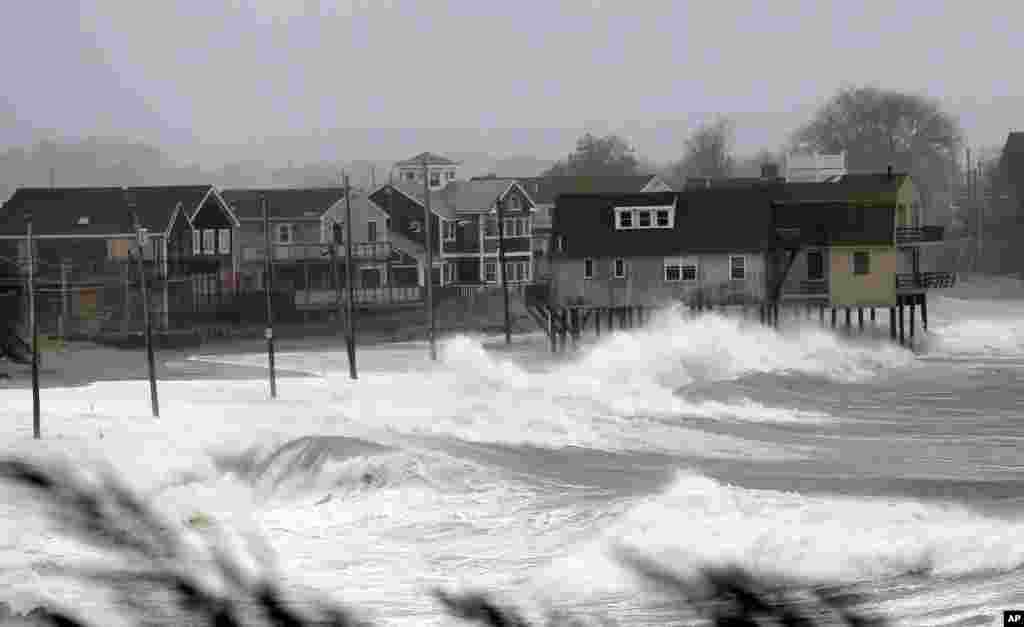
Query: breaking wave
x: 802, y: 538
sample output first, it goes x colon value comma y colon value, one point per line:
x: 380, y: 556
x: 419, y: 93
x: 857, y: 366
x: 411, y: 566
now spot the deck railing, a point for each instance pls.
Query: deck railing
x: 916, y: 234
x: 360, y: 295
x: 925, y: 280
x: 363, y: 251
x: 811, y: 286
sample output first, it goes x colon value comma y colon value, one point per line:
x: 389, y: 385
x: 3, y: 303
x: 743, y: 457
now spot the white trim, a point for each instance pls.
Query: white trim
x: 615, y: 267
x: 376, y: 233
x: 197, y: 242
x: 224, y: 205
x: 652, y: 210
x: 588, y: 275
x: 174, y: 218
x: 415, y: 200
x: 746, y: 270
x: 221, y: 240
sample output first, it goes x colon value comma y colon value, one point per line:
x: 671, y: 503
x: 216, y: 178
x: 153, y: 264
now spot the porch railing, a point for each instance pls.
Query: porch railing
x: 361, y: 296
x: 363, y: 251
x: 811, y: 287
x: 925, y: 280
x: 917, y: 234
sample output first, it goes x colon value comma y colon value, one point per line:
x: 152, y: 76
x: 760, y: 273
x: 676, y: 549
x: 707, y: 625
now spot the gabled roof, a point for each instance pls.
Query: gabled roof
x: 438, y: 202
x: 729, y: 220
x: 545, y: 189
x: 432, y: 159
x: 298, y: 203
x: 99, y: 210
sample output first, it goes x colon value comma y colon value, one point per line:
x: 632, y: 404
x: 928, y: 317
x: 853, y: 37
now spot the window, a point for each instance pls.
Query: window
x: 517, y: 271
x: 371, y: 231
x: 588, y: 268
x: 560, y: 243
x: 737, y: 267
x: 435, y: 179
x: 448, y: 228
x: 410, y: 176
x: 673, y: 270
x: 680, y: 269
x: 196, y: 242
x: 491, y: 227
x: 861, y: 262
x: 284, y: 234
x: 644, y: 217
x: 490, y: 272
x: 415, y: 226
x: 513, y: 203
x: 451, y: 175
x: 209, y: 241
x: 815, y: 265
x: 449, y: 273
x: 620, y: 268
x: 224, y: 241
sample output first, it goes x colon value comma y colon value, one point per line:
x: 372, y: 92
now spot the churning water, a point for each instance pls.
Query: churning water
x: 798, y: 453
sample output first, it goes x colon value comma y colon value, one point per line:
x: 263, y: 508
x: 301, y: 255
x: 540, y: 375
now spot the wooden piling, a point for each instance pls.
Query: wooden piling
x: 849, y: 323
x: 833, y: 317
x: 821, y: 314
x: 860, y: 318
x: 924, y: 312
x: 597, y: 322
x: 892, y: 323
x: 903, y: 334
x: 611, y: 319
x: 872, y: 315
x: 551, y: 332
x: 913, y: 309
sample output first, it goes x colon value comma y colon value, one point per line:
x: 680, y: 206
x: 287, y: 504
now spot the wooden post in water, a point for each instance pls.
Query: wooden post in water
x: 611, y: 319
x: 872, y: 315
x: 551, y: 331
x: 833, y: 317
x: 892, y: 323
x: 821, y: 314
x: 903, y: 336
x: 565, y: 328
x: 913, y: 308
x: 849, y: 323
x: 597, y: 322
x: 924, y: 312
x: 860, y: 318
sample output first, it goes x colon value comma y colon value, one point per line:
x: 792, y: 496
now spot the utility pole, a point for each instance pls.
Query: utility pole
x: 501, y: 265
x: 429, y: 274
x: 350, y: 340
x: 64, y: 309
x: 36, y: 427
x: 141, y: 238
x: 268, y: 280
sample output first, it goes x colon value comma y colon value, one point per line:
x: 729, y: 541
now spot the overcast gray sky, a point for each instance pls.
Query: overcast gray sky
x: 230, y: 72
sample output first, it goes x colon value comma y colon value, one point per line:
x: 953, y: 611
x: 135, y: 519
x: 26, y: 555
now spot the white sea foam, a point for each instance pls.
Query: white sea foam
x: 699, y: 522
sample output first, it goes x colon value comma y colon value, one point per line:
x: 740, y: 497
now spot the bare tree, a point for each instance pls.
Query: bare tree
x: 879, y: 128
x: 707, y: 152
x: 598, y: 156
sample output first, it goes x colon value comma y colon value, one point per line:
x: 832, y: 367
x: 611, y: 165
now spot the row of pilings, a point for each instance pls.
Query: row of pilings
x: 565, y: 326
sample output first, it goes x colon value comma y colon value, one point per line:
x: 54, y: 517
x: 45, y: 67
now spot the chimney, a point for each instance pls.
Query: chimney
x: 769, y: 170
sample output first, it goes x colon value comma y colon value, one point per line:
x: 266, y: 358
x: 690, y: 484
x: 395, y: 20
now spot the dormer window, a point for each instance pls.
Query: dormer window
x: 628, y: 218
x: 83, y: 221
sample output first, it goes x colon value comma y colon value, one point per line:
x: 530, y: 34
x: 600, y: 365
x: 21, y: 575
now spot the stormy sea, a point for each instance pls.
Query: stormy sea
x: 802, y: 453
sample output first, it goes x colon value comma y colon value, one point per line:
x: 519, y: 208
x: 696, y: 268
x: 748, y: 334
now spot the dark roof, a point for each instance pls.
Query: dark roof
x: 58, y: 211
x: 432, y: 159
x: 545, y: 189
x: 283, y: 203
x: 837, y: 223
x: 718, y: 220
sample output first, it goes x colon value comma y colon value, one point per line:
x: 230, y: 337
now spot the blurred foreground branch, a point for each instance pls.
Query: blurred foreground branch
x: 166, y: 581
